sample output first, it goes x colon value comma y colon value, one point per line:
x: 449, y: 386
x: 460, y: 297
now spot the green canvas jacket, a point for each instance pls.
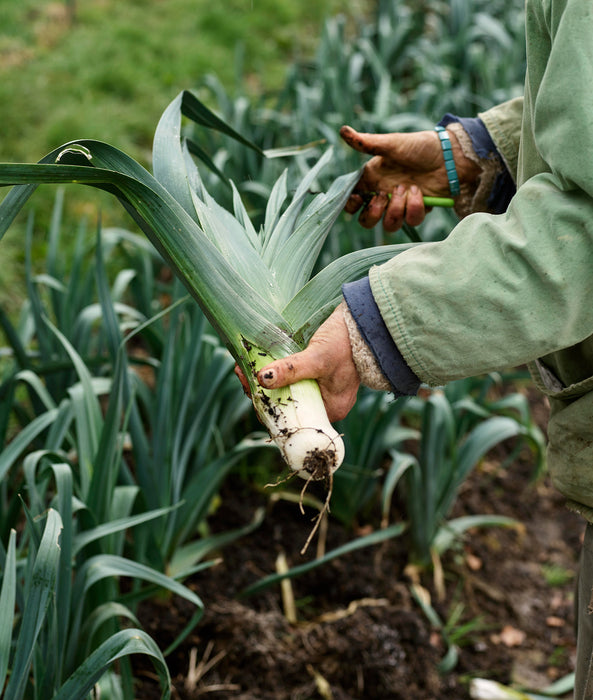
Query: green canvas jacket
x: 517, y: 288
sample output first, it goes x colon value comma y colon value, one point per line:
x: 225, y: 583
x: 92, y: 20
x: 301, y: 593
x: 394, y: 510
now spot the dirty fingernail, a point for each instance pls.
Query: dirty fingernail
x: 266, y: 377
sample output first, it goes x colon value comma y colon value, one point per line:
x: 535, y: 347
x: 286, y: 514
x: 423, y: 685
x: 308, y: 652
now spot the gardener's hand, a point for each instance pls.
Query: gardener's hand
x: 404, y: 168
x: 328, y: 359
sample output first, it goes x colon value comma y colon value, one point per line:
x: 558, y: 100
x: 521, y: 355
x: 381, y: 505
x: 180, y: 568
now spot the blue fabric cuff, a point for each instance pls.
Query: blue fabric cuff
x: 475, y: 128
x: 504, y: 187
x: 364, y: 310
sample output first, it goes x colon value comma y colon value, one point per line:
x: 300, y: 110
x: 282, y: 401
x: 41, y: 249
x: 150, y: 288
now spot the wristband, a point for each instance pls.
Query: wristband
x: 449, y: 160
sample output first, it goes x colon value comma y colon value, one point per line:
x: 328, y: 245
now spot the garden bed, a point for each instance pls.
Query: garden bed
x: 360, y: 632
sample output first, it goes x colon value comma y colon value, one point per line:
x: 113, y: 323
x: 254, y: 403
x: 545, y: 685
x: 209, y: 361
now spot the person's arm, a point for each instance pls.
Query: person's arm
x: 503, y: 290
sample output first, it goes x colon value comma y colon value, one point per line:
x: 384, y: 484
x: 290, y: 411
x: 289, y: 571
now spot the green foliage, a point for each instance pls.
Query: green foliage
x: 556, y: 575
x: 454, y: 632
x: 49, y: 641
x: 455, y: 431
x: 127, y: 65
x: 106, y: 69
x: 423, y: 448
x: 74, y: 473
x: 176, y: 450
x: 372, y: 429
x: 400, y: 71
x: 108, y: 454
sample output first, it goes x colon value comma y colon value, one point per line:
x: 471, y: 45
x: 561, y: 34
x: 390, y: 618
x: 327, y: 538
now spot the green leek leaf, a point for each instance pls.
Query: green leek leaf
x: 7, y: 600
x: 315, y: 300
x: 42, y: 588
x: 24, y: 438
x: 82, y: 539
x: 360, y: 542
x: 123, y: 643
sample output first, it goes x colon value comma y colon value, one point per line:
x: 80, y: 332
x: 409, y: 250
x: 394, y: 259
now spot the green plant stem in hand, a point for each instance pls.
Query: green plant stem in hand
x: 447, y: 202
x: 438, y: 202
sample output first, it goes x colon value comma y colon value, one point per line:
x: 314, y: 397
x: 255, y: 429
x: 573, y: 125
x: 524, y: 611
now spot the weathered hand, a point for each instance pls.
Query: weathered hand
x: 328, y: 359
x: 404, y: 168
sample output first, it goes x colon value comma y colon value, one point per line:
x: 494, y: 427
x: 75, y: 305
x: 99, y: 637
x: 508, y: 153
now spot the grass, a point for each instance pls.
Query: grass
x: 106, y: 69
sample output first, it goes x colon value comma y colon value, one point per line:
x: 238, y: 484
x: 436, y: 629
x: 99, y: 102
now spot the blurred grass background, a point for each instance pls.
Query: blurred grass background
x: 106, y: 69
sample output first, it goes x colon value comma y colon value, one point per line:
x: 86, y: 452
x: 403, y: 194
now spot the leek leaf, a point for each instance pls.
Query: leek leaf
x: 277, y: 233
x: 294, y: 262
x: 42, y: 587
x: 7, y: 600
x: 123, y: 643
x: 228, y: 301
x: 360, y: 542
x: 316, y: 299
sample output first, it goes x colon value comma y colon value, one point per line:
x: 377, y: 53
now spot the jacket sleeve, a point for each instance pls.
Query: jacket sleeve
x: 503, y: 290
x: 379, y: 363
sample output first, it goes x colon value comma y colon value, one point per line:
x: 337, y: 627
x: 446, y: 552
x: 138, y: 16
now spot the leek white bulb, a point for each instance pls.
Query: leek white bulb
x: 297, y: 422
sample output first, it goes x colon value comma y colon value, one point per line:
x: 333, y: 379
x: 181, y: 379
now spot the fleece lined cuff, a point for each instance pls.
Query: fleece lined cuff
x: 368, y: 369
x: 495, y: 187
x: 368, y: 333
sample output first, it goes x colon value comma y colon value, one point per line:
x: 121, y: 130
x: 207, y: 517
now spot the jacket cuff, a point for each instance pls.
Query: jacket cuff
x: 378, y: 361
x: 495, y: 186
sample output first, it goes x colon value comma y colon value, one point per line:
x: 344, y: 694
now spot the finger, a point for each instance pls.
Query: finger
x: 374, y: 210
x: 288, y: 370
x: 355, y: 201
x: 394, y: 213
x: 352, y: 138
x: 415, y: 211
x: 374, y: 144
x: 243, y: 380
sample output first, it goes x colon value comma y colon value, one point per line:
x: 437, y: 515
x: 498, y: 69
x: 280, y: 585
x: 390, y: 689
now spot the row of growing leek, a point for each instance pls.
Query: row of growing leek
x: 101, y: 437
x: 113, y: 450
x: 115, y: 416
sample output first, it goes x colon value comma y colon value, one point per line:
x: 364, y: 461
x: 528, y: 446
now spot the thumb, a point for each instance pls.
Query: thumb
x: 287, y: 370
x: 373, y: 144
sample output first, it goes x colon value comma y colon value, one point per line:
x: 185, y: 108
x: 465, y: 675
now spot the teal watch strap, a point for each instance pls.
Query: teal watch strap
x: 449, y: 160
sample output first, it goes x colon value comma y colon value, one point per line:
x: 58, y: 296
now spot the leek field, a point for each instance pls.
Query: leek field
x: 173, y: 186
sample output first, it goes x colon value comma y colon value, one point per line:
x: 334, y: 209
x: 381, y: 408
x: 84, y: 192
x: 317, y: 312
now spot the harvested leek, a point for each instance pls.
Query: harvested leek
x: 254, y: 287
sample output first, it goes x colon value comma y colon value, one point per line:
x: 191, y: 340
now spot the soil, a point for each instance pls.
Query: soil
x: 360, y: 632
